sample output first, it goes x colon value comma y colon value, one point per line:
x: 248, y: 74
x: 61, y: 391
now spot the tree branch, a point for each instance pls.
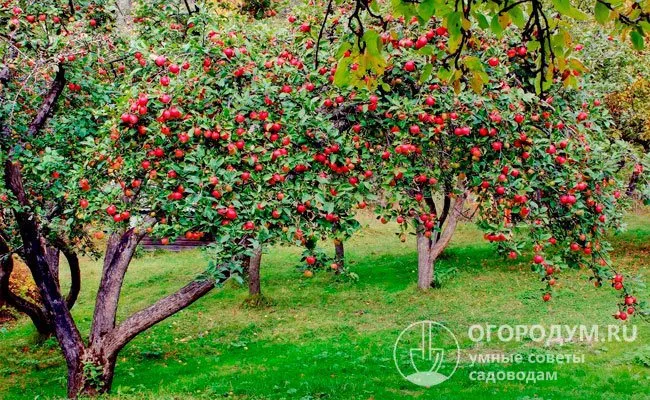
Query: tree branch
x: 119, y: 252
x: 631, y: 186
x: 35, y: 257
x: 35, y: 312
x: 75, y: 277
x: 320, y: 33
x: 48, y: 102
x: 118, y: 337
x: 448, y: 232
x: 445, y: 213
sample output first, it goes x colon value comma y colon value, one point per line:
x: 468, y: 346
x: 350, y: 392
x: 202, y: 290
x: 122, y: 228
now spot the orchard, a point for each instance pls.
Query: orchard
x: 335, y: 159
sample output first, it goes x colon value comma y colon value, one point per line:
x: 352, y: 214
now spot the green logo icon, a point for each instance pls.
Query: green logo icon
x: 426, y: 353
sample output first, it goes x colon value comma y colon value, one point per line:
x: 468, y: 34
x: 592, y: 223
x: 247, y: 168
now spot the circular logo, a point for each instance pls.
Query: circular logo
x: 426, y: 353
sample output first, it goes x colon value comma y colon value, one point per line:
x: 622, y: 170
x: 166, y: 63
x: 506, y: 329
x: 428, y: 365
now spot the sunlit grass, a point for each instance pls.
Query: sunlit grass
x: 329, y: 338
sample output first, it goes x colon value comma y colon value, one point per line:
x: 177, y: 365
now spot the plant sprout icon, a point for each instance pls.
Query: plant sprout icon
x: 426, y: 352
x: 426, y: 359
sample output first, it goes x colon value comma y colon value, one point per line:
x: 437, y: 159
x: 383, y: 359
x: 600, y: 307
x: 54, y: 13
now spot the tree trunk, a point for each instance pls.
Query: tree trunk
x: 124, y: 18
x: 254, y: 284
x: 425, y: 263
x: 53, y: 259
x: 430, y: 248
x: 119, y: 252
x: 339, y: 251
x: 92, y: 376
x: 34, y: 311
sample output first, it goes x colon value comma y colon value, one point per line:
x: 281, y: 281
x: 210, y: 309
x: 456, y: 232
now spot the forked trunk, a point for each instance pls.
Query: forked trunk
x: 430, y: 248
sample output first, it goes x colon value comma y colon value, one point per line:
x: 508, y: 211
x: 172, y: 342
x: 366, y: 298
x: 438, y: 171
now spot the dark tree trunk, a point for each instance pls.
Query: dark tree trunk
x: 34, y: 311
x: 35, y: 256
x: 430, y: 248
x: 254, y: 264
x: 53, y: 258
x: 75, y: 278
x: 93, y: 375
x: 339, y: 251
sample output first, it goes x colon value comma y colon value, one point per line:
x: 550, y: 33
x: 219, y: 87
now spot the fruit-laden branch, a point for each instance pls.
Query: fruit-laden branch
x: 13, y: 174
x: 117, y: 338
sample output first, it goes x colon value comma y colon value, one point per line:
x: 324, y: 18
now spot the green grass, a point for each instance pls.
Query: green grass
x: 324, y: 338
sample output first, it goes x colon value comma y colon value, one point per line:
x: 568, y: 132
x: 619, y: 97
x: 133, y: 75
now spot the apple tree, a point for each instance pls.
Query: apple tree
x: 542, y: 166
x: 205, y: 134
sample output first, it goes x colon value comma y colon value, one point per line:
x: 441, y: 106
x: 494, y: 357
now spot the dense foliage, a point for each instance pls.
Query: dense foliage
x: 197, y: 127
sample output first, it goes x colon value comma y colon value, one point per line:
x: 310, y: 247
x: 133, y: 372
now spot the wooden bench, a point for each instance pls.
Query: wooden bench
x: 177, y: 245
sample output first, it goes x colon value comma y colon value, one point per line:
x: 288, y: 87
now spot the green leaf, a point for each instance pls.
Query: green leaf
x: 482, y: 19
x: 342, y: 75
x: 533, y: 45
x: 601, y: 12
x: 426, y: 72
x: 427, y: 50
x: 373, y: 43
x: 565, y: 8
x: 473, y: 63
x: 345, y: 46
x: 637, y: 40
x: 518, y: 17
x: 476, y: 82
x: 495, y: 26
x: 402, y: 8
x: 453, y: 22
x: 444, y: 74
x: 374, y: 6
x: 426, y: 9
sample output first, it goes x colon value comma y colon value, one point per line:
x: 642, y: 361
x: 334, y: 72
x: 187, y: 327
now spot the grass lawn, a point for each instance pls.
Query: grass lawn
x: 323, y: 338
